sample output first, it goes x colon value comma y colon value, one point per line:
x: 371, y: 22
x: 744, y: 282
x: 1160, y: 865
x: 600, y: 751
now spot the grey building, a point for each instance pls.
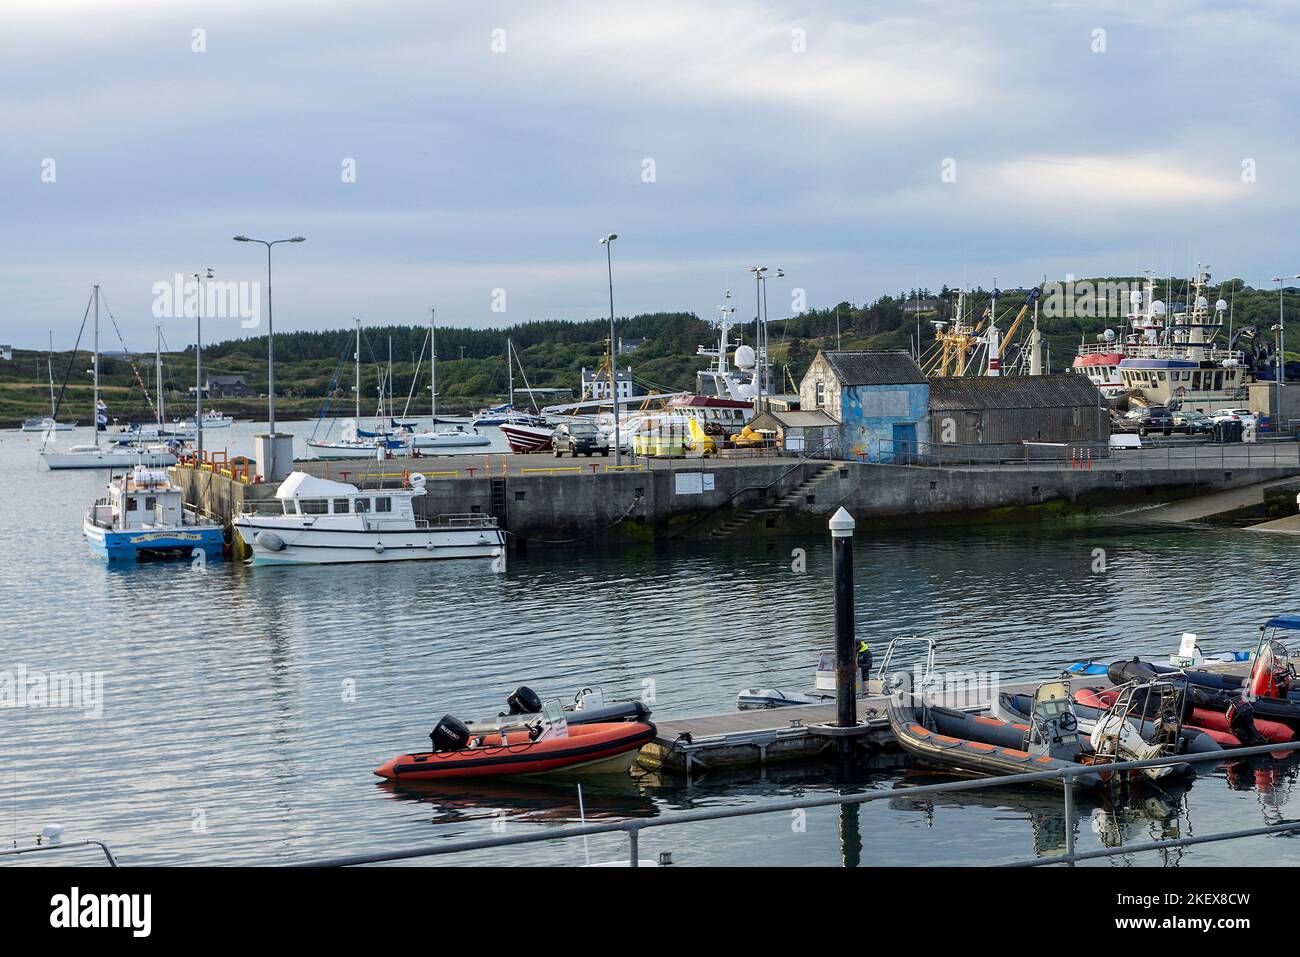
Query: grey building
x: 1002, y: 413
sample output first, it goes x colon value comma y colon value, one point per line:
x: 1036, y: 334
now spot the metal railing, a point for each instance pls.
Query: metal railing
x: 633, y: 829
x: 61, y: 846
x: 1155, y: 452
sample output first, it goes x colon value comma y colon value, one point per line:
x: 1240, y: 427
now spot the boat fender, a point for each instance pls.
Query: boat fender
x: 379, y: 548
x: 449, y: 734
x: 270, y: 541
x: 524, y: 700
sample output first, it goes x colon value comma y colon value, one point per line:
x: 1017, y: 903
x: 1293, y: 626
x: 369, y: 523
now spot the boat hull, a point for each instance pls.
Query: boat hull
x: 342, y: 546
x: 150, y: 543
x: 590, y: 748
x: 107, y: 458
x: 527, y: 438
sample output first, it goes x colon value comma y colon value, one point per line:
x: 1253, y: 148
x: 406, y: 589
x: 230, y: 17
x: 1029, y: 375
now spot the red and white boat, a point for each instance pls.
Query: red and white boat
x: 527, y: 438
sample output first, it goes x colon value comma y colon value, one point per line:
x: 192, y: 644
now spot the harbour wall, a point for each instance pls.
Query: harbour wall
x: 697, y: 500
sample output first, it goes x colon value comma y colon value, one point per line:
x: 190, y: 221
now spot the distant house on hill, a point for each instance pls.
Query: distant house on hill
x: 225, y: 386
x: 920, y: 307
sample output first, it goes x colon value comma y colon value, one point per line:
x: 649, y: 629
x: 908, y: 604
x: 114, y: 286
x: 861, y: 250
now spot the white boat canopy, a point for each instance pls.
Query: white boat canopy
x: 303, y: 485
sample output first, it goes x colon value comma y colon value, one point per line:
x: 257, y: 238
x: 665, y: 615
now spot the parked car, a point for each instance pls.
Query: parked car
x: 1154, y: 418
x: 1248, y: 419
x: 579, y: 438
x: 1193, y: 422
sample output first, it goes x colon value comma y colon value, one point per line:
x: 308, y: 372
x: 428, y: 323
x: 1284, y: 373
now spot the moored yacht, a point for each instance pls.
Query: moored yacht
x: 325, y: 522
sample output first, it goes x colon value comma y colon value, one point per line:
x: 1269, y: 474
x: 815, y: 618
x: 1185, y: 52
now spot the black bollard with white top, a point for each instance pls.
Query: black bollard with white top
x: 846, y: 663
x: 846, y: 728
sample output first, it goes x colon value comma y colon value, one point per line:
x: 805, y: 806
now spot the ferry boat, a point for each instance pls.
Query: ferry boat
x: 1169, y: 360
x: 144, y: 515
x: 326, y: 522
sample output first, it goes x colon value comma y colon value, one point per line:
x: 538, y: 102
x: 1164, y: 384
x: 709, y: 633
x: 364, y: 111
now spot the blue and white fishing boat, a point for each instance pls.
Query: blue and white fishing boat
x: 144, y: 516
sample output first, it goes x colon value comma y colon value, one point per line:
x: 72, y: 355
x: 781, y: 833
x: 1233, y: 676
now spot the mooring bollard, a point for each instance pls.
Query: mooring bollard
x: 846, y: 665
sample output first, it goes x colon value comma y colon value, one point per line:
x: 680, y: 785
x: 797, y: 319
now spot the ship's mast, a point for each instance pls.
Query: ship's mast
x: 157, y: 374
x: 356, y: 356
x: 433, y: 369
x: 94, y: 411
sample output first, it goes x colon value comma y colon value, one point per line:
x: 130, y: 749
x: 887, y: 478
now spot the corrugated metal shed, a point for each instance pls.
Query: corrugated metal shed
x: 874, y: 368
x: 961, y: 393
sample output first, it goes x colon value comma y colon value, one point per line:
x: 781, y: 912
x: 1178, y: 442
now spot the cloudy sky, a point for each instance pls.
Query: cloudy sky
x: 863, y: 147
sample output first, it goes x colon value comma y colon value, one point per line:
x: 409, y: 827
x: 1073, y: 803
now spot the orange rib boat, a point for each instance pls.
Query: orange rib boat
x: 588, y: 748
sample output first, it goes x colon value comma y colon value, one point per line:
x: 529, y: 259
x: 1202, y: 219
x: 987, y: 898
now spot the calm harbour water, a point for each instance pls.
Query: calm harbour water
x: 245, y: 709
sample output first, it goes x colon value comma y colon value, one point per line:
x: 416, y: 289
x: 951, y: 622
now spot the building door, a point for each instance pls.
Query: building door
x: 904, y: 441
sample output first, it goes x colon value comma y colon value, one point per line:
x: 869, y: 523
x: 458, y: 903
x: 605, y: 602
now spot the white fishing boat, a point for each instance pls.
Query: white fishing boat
x: 49, y: 423
x: 144, y: 516
x: 102, y: 456
x: 449, y: 439
x: 210, y: 420
x: 327, y: 522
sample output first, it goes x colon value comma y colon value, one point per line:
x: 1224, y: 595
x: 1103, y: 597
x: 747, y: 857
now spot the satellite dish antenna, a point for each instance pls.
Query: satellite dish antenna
x: 744, y: 357
x: 1221, y: 306
x: 1157, y: 308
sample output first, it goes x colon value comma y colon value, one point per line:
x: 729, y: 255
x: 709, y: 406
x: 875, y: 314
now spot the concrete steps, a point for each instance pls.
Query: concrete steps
x: 797, y: 496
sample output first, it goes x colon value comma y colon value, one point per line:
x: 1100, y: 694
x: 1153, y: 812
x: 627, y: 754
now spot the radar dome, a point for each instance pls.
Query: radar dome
x: 1202, y: 302
x: 1157, y: 308
x: 1135, y: 297
x: 1221, y: 306
x: 1109, y: 335
x: 745, y: 357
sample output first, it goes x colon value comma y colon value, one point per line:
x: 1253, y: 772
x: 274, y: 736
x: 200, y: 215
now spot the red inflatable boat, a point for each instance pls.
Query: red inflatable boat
x: 1213, y: 723
x: 585, y: 747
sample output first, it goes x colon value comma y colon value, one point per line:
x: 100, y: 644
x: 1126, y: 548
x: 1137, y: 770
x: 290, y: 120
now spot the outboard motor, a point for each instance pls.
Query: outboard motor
x: 524, y: 700
x: 1241, y: 722
x: 449, y: 734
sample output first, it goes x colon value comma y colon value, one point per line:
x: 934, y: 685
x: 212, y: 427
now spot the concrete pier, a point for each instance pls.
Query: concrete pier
x: 541, y: 500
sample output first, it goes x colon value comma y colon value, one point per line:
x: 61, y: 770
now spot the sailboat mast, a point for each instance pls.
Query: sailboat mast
x: 94, y: 412
x: 157, y: 374
x: 356, y: 356
x: 388, y: 407
x: 510, y: 367
x: 433, y: 368
x: 49, y: 370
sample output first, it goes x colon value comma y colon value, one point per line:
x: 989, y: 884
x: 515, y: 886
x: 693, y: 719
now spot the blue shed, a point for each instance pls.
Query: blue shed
x: 881, y: 401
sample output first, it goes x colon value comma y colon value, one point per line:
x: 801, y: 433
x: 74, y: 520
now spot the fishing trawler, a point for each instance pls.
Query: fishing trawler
x: 144, y: 516
x: 1170, y: 360
x: 325, y: 522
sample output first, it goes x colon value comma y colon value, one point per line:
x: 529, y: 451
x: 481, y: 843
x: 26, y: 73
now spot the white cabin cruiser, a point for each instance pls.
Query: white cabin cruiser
x: 325, y: 522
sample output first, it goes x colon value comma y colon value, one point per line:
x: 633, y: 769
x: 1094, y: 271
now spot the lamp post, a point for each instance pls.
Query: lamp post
x: 270, y: 335
x: 198, y: 363
x: 758, y: 272
x: 608, y: 243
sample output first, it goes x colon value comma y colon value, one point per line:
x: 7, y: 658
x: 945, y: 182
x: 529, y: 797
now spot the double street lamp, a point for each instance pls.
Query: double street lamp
x: 198, y: 361
x: 760, y: 331
x: 270, y: 335
x: 608, y: 243
x: 1279, y: 365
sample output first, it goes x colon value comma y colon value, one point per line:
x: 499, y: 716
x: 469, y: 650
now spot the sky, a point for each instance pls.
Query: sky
x: 469, y: 156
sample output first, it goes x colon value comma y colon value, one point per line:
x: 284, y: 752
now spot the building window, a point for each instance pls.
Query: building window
x: 384, y: 504
x: 821, y: 395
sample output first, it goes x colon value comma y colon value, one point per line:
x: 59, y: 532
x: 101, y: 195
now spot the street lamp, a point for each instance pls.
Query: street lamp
x: 198, y: 363
x: 270, y: 336
x: 758, y: 272
x: 608, y: 243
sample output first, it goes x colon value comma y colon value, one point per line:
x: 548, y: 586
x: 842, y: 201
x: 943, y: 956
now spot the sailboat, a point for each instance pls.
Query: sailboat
x: 161, y: 430
x: 99, y: 456
x: 49, y: 424
x: 356, y: 443
x: 507, y: 414
x: 438, y: 440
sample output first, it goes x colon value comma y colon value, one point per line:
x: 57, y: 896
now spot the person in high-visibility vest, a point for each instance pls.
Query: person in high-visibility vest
x: 864, y: 661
